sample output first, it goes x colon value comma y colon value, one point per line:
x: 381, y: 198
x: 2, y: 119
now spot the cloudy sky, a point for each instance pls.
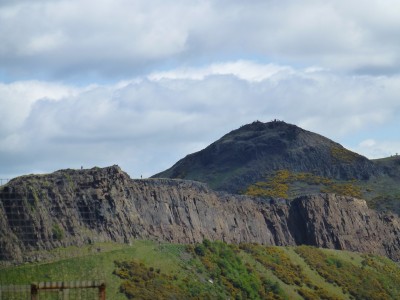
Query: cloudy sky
x: 142, y: 83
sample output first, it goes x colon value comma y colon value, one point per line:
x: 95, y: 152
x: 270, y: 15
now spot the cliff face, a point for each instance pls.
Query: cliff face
x: 76, y: 207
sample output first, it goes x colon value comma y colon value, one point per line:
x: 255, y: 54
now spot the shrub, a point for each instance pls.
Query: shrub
x: 200, y: 250
x: 239, y: 279
x: 276, y: 260
x: 141, y: 282
x: 58, y: 232
x: 359, y: 281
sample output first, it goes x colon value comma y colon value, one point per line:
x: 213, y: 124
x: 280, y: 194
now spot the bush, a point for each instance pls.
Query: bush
x: 239, y: 279
x: 359, y: 281
x: 276, y: 260
x: 58, y: 232
x: 200, y: 250
x: 141, y: 282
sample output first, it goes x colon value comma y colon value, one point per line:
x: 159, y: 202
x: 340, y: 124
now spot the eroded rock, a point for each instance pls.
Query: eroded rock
x: 76, y: 207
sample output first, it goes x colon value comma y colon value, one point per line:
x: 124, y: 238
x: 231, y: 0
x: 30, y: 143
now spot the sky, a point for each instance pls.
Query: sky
x: 143, y: 83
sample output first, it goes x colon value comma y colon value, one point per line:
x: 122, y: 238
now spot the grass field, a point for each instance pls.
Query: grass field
x: 215, y: 270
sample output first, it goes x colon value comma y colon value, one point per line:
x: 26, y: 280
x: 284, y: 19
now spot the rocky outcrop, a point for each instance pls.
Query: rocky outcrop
x: 344, y: 223
x: 75, y: 207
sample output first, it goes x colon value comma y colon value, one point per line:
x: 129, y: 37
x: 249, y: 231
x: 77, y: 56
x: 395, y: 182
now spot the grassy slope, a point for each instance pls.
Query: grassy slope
x: 94, y: 263
x: 241, y: 272
x: 381, y: 193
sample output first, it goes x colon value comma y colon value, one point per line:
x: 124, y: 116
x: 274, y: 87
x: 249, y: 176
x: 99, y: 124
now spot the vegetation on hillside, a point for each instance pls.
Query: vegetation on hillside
x: 275, y: 186
x: 283, y: 183
x: 345, y: 189
x: 342, y: 154
x: 374, y: 278
x: 381, y: 193
x: 215, y: 270
x: 143, y: 282
x: 227, y: 268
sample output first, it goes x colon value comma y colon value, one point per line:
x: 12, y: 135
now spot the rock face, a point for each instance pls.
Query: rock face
x: 76, y: 207
x: 244, y: 156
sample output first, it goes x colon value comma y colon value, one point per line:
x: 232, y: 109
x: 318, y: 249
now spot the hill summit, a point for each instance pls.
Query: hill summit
x: 248, y: 154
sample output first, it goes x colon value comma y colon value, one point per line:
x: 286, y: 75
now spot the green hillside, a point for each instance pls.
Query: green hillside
x: 215, y: 270
x: 381, y: 193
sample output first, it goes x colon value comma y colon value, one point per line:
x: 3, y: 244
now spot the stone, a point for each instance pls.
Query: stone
x: 71, y: 207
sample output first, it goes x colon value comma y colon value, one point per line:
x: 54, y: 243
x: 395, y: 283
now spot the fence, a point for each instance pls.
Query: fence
x: 39, y: 258
x: 76, y: 290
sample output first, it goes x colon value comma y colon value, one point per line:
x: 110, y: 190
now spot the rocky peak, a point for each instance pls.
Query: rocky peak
x: 245, y: 155
x: 260, y: 126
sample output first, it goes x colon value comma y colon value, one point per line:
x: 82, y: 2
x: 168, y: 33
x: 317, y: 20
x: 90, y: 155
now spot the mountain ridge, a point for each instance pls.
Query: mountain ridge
x: 77, y: 207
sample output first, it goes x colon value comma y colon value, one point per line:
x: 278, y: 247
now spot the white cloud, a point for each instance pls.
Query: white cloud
x: 120, y: 38
x: 170, y: 77
x: 148, y: 123
x: 16, y: 100
x: 106, y: 37
x: 241, y: 69
x: 378, y: 149
x: 368, y: 143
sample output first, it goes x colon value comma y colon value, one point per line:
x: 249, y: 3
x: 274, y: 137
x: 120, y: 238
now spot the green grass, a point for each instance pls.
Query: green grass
x: 313, y: 275
x: 376, y: 278
x: 215, y: 270
x: 94, y: 262
x: 290, y: 290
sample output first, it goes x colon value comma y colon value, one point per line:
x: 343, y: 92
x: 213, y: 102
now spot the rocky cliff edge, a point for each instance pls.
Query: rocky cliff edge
x: 76, y: 207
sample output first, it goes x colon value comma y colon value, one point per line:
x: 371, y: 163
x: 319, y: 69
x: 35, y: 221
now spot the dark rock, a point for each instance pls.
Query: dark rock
x: 244, y: 156
x: 85, y: 206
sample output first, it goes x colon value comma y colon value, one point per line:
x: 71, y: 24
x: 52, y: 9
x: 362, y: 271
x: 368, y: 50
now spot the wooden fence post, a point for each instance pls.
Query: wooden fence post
x: 34, y: 291
x: 102, y: 291
x: 63, y: 288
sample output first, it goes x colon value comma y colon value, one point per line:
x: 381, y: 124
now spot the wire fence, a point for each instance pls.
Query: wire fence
x: 44, y: 241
